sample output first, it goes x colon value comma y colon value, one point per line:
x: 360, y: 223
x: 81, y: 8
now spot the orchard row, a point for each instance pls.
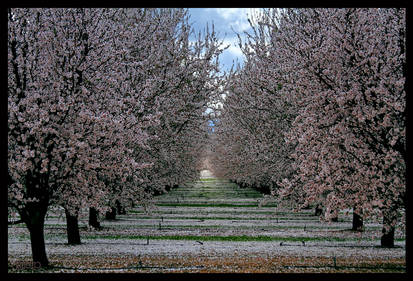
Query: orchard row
x: 105, y: 108
x: 316, y: 115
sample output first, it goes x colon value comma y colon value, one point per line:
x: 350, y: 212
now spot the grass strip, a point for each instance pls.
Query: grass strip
x: 231, y: 218
x: 177, y: 227
x: 234, y: 238
x: 211, y: 205
x: 245, y: 227
x: 241, y: 238
x: 229, y: 212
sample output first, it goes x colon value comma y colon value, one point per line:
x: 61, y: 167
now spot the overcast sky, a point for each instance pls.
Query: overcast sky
x: 226, y: 21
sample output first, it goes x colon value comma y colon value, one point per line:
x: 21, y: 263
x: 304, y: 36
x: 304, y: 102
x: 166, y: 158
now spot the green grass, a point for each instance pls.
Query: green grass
x: 177, y: 227
x: 210, y: 196
x: 216, y: 195
x: 211, y: 205
x: 168, y: 212
x: 228, y: 190
x: 228, y: 218
x: 239, y: 238
x: 262, y: 227
x: 280, y: 213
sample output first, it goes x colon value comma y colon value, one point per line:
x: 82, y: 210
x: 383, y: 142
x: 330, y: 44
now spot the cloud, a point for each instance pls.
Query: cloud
x: 226, y: 21
x: 235, y: 50
x: 234, y: 47
x: 228, y: 13
x: 240, y: 25
x: 237, y: 18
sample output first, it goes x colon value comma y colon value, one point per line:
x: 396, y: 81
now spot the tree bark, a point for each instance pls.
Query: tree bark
x: 34, y: 217
x: 72, y: 226
x: 357, y: 221
x: 387, y: 238
x: 120, y: 209
x: 38, y: 245
x: 111, y: 215
x: 318, y: 210
x: 93, y: 218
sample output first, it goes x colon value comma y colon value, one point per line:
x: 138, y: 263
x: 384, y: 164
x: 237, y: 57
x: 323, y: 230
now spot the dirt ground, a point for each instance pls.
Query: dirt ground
x: 211, y: 264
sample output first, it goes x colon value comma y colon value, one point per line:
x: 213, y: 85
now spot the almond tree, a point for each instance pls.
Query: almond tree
x: 90, y: 93
x: 179, y: 77
x: 188, y: 80
x: 341, y: 85
x: 347, y: 75
x: 249, y: 141
x: 52, y: 119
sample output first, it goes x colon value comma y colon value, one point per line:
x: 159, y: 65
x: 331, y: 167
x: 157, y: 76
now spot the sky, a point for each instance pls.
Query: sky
x: 226, y: 22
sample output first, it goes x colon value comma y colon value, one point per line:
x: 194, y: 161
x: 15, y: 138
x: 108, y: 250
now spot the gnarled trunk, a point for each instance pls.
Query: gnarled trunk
x: 389, y: 219
x: 387, y: 239
x: 318, y: 210
x: 93, y: 218
x: 72, y: 226
x: 120, y: 209
x: 111, y: 215
x: 34, y: 217
x: 357, y: 220
x: 38, y: 245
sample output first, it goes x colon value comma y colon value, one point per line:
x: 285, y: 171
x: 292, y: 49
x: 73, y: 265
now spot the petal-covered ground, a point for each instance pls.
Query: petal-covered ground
x: 212, y: 226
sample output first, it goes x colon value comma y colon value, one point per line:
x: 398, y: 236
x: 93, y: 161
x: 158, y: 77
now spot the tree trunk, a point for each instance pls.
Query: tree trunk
x: 38, y: 245
x: 120, y: 209
x: 34, y: 219
x: 111, y: 215
x: 93, y: 218
x: 318, y: 210
x: 72, y: 226
x: 387, y: 238
x: 357, y: 221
